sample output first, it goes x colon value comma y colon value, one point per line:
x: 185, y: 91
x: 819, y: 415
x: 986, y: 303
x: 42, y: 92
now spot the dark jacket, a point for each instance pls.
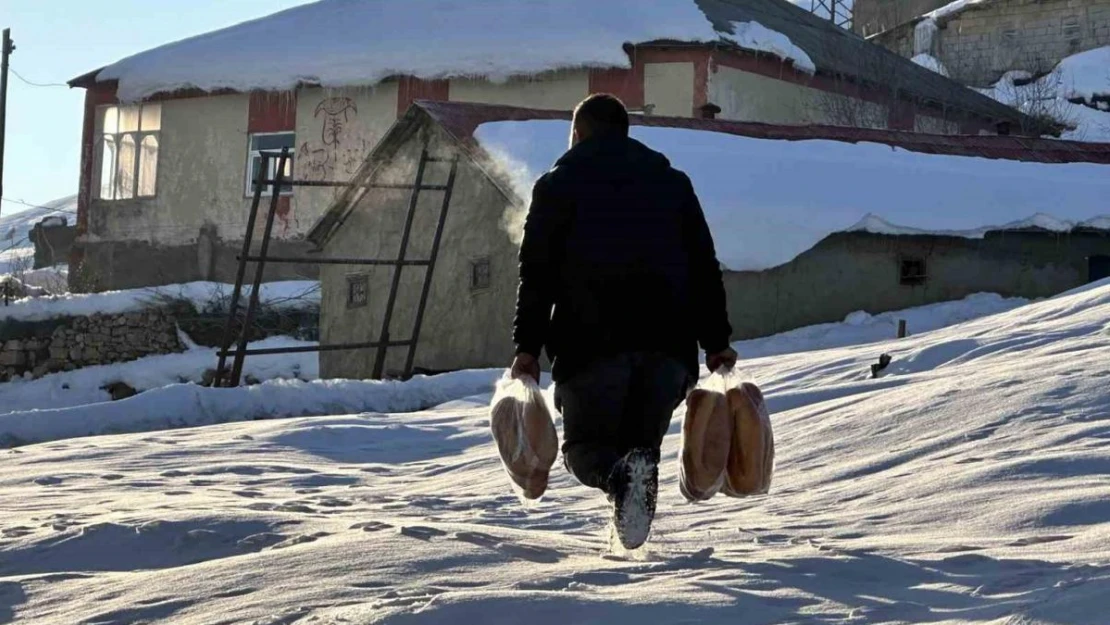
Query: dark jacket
x: 616, y: 244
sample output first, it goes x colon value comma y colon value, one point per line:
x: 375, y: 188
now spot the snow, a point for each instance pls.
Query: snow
x: 1087, y: 74
x: 952, y: 7
x: 931, y: 63
x: 967, y: 485
x: 1083, y: 76
x: 337, y: 43
x: 16, y: 249
x: 762, y: 215
x: 84, y: 386
x: 287, y: 294
x: 756, y: 36
x: 877, y: 225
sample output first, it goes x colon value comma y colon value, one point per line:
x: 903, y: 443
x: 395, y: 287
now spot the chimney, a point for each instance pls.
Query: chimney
x: 709, y: 111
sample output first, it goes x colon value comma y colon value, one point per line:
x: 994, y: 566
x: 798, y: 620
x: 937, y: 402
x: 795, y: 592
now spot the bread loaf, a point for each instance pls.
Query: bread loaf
x: 526, y: 438
x: 751, y: 459
x: 706, y: 435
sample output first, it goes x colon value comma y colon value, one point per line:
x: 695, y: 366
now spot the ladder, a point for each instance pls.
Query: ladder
x: 384, y: 340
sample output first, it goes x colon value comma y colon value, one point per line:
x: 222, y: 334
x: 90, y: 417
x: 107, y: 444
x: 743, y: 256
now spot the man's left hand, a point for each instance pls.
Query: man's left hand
x: 525, y: 364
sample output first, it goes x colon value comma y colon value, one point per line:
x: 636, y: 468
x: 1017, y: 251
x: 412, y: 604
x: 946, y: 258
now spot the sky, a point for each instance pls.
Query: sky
x: 58, y: 40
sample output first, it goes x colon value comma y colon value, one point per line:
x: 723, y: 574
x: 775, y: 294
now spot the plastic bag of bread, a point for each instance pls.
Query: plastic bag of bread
x: 706, y: 437
x: 751, y: 457
x: 524, y: 433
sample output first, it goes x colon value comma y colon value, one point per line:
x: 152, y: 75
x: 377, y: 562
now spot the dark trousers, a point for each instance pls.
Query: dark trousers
x: 615, y: 405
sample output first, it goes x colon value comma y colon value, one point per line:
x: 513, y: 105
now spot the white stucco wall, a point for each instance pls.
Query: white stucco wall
x: 670, y: 88
x: 745, y: 96
x: 336, y: 129
x: 554, y: 90
x: 201, y: 168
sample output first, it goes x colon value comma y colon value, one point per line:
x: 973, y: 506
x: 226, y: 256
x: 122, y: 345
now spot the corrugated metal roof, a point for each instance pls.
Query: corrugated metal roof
x: 461, y: 119
x: 838, y: 51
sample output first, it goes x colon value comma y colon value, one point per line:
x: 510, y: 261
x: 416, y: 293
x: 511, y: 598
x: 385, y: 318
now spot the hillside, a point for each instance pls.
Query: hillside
x: 16, y: 227
x: 966, y: 485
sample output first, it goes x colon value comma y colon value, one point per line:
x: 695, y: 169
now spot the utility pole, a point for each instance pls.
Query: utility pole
x: 839, y: 12
x: 8, y: 48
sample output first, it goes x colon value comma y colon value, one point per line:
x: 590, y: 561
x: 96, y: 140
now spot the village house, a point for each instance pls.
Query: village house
x: 978, y: 41
x: 173, y: 137
x: 801, y: 218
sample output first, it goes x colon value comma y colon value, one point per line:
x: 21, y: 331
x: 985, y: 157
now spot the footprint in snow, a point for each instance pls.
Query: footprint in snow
x: 1038, y: 540
x: 48, y: 481
x: 421, y: 532
x: 371, y: 526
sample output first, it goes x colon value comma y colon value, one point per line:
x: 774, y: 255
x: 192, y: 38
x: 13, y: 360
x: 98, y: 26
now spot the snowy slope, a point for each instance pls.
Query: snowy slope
x: 1081, y: 77
x: 361, y: 42
x: 969, y: 485
x: 74, y: 404
x: 15, y: 228
x: 287, y: 293
x: 767, y: 201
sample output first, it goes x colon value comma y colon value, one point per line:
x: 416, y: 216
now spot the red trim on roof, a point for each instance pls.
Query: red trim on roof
x: 461, y: 119
x: 272, y: 111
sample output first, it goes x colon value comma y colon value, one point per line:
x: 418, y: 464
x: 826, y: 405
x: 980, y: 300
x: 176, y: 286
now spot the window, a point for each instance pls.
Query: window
x: 129, y: 151
x: 271, y: 144
x: 912, y: 272
x: 358, y: 290
x: 479, y: 274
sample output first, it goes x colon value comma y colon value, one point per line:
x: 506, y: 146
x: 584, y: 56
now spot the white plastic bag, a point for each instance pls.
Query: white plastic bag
x: 524, y: 433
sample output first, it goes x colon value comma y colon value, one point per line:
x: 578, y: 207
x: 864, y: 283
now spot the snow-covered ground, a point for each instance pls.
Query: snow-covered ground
x: 67, y: 405
x: 967, y: 485
x: 289, y: 294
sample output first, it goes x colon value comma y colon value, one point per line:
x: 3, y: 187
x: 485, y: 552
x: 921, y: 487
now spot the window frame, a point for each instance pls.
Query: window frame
x: 916, y: 279
x: 138, y: 137
x: 252, y: 154
x: 360, y: 279
x: 475, y: 284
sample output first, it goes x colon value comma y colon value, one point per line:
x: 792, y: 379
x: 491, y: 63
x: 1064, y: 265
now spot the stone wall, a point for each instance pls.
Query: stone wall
x: 980, y: 44
x: 39, y: 348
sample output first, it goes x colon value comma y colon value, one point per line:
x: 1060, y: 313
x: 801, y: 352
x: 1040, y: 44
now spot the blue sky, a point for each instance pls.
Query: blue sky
x: 58, y: 40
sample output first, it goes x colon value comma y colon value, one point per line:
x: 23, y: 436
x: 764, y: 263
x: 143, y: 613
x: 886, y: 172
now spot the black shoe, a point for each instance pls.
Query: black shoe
x: 633, y: 487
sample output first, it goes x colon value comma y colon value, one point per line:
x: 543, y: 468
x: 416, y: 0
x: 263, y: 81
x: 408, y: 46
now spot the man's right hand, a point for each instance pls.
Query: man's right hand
x: 726, y: 359
x: 525, y: 364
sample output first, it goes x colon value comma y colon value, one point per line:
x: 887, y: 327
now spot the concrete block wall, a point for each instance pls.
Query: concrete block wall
x: 1034, y: 35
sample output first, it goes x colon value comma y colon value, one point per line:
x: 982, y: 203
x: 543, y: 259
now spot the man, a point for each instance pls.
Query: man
x: 617, y: 245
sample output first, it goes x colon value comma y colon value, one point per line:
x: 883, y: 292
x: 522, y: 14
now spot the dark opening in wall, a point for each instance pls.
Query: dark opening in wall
x: 358, y: 290
x: 912, y: 272
x: 479, y: 274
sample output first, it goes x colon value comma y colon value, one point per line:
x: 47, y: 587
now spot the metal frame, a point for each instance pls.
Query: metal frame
x: 384, y: 341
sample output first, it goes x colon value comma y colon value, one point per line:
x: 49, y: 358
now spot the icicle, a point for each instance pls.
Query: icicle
x: 924, y: 36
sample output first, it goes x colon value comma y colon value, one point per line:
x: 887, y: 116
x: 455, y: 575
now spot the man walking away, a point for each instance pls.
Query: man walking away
x: 619, y: 281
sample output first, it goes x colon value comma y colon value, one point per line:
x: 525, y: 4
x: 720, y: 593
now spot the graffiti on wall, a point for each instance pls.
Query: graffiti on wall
x: 338, y: 150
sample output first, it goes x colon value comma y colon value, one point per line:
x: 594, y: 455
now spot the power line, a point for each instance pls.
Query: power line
x: 35, y: 84
x: 29, y: 205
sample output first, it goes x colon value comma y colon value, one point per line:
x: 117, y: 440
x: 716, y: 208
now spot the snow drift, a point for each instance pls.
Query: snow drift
x: 768, y: 201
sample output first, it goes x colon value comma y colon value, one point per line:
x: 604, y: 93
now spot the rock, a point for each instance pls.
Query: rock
x: 41, y: 370
x: 14, y: 345
x: 12, y: 358
x: 75, y: 354
x: 250, y: 380
x: 59, y: 353
x: 119, y: 390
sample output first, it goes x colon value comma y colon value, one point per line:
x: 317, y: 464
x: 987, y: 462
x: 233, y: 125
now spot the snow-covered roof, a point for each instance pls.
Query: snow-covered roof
x: 337, y: 43
x: 773, y: 192
x: 954, y: 8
